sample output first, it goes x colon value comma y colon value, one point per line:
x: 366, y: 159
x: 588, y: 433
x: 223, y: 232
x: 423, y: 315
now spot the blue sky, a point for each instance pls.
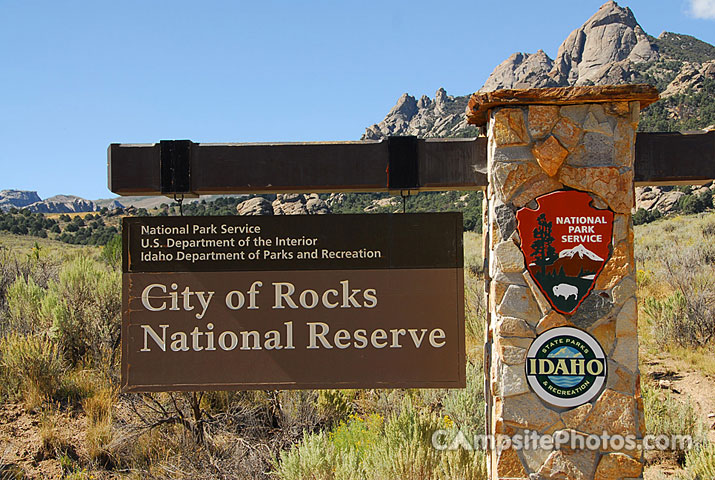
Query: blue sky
x: 79, y: 75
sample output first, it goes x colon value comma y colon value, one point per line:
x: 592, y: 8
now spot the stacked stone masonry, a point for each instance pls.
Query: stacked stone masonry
x: 535, y: 150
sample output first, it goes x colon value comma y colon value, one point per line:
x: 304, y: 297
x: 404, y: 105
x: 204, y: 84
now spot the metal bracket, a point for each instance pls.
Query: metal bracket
x: 403, y: 164
x: 175, y: 166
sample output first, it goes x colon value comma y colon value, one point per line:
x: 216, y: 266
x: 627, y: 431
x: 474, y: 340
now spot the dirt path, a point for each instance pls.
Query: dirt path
x: 684, y: 383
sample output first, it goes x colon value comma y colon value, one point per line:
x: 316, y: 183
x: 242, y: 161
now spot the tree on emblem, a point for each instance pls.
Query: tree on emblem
x: 543, y: 253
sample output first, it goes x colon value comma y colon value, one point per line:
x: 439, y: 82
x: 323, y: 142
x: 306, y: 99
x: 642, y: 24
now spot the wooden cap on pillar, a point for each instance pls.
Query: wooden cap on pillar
x: 481, y: 103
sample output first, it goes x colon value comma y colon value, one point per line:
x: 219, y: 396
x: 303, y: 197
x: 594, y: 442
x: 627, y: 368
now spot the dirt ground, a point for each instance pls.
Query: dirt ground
x: 21, y: 443
x: 684, y: 384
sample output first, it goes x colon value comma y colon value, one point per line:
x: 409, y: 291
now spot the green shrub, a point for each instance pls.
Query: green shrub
x: 80, y: 310
x: 372, y: 448
x: 686, y: 316
x: 646, y: 216
x: 665, y: 415
x: 695, y: 203
x: 700, y: 462
x: 112, y: 251
x: 405, y: 449
x: 31, y: 367
x: 24, y: 301
x: 465, y: 407
x: 463, y: 465
x: 86, y: 320
x: 335, y: 405
x: 312, y: 458
x: 667, y: 319
x: 357, y: 434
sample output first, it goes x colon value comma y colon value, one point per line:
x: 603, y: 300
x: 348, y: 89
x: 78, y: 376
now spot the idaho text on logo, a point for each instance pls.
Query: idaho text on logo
x: 566, y: 367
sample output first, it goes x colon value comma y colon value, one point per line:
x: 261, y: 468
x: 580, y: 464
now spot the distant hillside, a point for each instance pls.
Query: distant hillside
x: 150, y: 202
x: 29, y: 200
x: 683, y: 48
x: 63, y: 204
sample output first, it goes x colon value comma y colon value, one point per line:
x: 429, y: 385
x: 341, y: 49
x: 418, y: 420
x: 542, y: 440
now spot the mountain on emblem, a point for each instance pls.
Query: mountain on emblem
x: 565, y: 243
x: 581, y: 251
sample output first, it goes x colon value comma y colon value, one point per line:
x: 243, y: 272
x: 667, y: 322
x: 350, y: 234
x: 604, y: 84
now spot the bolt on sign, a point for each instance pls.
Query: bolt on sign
x: 320, y: 301
x: 566, y: 243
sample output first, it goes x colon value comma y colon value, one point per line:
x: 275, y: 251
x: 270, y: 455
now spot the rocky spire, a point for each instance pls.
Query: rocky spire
x: 522, y: 70
x: 610, y: 38
x: 441, y: 117
x: 599, y: 52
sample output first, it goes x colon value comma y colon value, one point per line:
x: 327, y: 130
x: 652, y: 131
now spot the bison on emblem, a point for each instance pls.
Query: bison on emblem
x: 565, y: 290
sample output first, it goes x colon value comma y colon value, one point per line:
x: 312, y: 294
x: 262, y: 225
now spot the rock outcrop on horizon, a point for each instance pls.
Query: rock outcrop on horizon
x: 441, y: 117
x: 63, y: 204
x: 665, y: 199
x: 255, y: 206
x: 111, y: 205
x: 58, y: 204
x: 17, y: 199
x: 299, y: 204
x: 284, y: 204
x: 609, y: 48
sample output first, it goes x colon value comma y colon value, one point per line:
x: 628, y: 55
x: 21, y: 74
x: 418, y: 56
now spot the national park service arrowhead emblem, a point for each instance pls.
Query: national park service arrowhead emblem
x: 565, y: 243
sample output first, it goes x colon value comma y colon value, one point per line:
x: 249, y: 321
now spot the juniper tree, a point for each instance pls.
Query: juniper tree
x: 544, y: 252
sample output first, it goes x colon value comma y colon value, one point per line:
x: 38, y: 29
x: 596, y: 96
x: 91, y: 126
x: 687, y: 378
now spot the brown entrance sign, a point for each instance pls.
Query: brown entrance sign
x: 339, y: 301
x: 539, y: 141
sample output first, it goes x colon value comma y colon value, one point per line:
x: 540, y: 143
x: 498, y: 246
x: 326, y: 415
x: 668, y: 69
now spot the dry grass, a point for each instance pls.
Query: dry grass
x: 55, y: 442
x: 473, y: 258
x: 99, y: 434
x: 31, y: 367
x: 675, y: 260
x: 701, y: 359
x: 23, y: 244
x: 475, y: 309
x: 71, y: 214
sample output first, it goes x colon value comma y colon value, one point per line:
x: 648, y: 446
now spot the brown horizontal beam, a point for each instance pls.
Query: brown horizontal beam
x: 674, y: 158
x: 442, y: 164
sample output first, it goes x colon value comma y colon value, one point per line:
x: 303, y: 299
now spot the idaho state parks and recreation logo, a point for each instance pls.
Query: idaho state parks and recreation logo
x: 566, y: 367
x: 565, y: 243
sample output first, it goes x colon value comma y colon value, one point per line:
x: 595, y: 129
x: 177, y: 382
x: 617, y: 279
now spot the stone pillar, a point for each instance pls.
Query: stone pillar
x: 577, y: 139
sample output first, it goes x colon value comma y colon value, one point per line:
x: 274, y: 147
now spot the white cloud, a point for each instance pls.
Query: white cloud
x: 703, y: 8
